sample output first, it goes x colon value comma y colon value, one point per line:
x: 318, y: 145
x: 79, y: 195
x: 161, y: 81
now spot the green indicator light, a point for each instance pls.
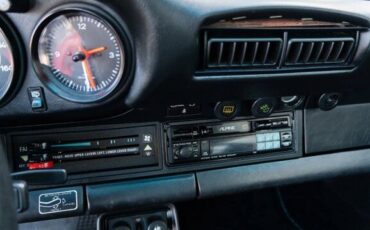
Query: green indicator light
x: 265, y: 108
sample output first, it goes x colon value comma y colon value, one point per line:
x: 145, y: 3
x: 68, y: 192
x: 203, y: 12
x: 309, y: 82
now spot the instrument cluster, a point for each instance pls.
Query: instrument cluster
x: 78, y: 51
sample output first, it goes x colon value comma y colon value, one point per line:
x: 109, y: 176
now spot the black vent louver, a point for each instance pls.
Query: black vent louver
x: 224, y: 53
x: 246, y: 48
x: 319, y: 51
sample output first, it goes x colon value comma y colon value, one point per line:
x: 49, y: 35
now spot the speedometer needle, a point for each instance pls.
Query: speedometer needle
x: 88, y: 73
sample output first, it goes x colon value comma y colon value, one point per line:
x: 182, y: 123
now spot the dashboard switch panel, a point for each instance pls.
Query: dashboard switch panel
x: 87, y: 151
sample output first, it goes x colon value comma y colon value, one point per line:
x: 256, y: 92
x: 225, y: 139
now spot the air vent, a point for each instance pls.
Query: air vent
x: 322, y: 51
x: 243, y: 53
x: 247, y: 47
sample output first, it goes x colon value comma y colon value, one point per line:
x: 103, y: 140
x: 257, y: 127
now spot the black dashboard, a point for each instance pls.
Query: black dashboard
x: 138, y: 102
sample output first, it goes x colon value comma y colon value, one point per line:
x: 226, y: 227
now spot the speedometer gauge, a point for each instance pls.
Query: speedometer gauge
x: 80, y: 56
x: 6, y: 65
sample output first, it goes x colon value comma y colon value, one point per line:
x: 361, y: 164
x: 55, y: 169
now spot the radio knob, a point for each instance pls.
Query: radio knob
x: 185, y: 152
x: 158, y: 225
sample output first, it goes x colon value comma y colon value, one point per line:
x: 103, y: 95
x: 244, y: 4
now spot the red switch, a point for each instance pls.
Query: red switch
x: 41, y: 165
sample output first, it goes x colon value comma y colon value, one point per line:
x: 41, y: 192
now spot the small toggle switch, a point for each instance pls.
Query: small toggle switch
x: 37, y: 99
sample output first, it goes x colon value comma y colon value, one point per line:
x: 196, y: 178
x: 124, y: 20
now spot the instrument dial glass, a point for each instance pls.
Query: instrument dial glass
x: 6, y: 65
x: 80, y: 57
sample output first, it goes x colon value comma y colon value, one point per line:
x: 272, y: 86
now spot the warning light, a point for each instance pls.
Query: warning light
x: 228, y: 109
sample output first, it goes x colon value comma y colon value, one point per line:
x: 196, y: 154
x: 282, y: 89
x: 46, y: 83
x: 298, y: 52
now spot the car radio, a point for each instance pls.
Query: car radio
x: 194, y: 142
x: 87, y: 151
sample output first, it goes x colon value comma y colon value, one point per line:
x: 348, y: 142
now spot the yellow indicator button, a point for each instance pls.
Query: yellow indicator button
x: 228, y: 109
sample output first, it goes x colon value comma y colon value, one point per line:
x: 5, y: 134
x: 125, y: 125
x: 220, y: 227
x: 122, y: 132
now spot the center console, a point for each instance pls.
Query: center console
x: 186, y: 145
x: 115, y: 167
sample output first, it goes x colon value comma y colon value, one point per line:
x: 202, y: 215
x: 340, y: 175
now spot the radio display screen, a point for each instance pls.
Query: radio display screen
x: 241, y: 144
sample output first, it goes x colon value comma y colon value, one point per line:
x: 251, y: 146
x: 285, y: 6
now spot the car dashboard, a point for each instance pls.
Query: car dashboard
x: 115, y: 105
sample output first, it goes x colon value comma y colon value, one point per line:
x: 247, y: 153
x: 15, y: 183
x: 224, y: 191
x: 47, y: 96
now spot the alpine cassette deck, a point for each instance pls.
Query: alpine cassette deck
x: 210, y: 141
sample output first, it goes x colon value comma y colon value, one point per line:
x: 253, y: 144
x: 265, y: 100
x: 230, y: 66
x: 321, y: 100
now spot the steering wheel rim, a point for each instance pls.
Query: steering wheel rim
x: 8, y: 216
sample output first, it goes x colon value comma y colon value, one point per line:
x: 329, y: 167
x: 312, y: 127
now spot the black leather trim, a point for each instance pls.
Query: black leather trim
x: 136, y: 193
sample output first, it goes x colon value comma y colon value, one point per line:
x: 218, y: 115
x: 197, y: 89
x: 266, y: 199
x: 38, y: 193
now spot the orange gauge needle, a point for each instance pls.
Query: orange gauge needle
x: 86, y: 65
x: 95, y: 51
x: 88, y: 73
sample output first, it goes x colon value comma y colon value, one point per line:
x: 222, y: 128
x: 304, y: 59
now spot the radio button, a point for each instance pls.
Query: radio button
x: 205, y: 148
x: 286, y: 136
x: 276, y: 145
x: 261, y: 146
x: 186, y: 152
x: 276, y: 136
x: 286, y: 143
x: 269, y: 145
x: 158, y: 225
x: 261, y: 137
x: 269, y: 136
x: 285, y: 123
x: 259, y: 126
x: 268, y: 125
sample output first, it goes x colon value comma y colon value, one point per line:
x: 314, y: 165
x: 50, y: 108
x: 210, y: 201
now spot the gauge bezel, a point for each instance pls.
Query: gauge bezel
x: 19, y: 60
x: 119, y: 28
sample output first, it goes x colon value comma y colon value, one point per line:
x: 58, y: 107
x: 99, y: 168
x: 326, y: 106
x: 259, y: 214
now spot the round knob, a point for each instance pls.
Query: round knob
x: 186, y: 152
x: 227, y: 110
x: 158, y: 225
x: 329, y: 101
x: 263, y: 107
x: 292, y: 101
